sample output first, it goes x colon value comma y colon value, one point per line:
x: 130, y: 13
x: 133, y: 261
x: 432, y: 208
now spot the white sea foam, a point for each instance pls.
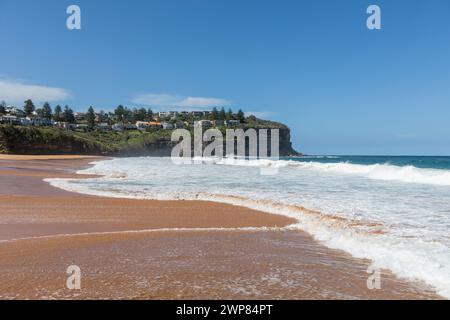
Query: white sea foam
x: 409, y: 174
x: 399, y: 217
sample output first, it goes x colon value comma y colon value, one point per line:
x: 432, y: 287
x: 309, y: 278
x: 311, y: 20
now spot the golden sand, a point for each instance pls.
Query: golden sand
x: 43, y: 157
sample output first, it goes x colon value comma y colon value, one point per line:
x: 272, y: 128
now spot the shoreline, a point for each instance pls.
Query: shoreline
x: 66, y: 228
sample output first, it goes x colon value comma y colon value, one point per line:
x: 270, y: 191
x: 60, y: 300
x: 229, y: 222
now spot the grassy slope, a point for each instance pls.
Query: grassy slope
x: 18, y: 139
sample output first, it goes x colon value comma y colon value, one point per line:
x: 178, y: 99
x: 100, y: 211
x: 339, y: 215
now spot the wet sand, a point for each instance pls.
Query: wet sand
x: 144, y: 249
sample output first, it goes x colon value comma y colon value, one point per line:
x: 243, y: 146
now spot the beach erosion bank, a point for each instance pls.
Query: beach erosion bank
x: 147, y: 249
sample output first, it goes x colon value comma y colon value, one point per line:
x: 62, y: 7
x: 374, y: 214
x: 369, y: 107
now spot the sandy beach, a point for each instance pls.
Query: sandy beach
x: 145, y: 249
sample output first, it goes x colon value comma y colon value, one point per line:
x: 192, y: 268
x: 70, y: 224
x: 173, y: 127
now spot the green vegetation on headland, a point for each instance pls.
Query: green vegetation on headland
x: 124, y: 132
x: 48, y: 140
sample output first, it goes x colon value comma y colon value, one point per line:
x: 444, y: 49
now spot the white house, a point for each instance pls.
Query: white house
x: 15, y: 111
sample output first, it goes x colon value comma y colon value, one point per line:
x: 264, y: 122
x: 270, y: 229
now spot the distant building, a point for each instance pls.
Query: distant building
x: 167, y: 125
x: 103, y: 127
x: 65, y: 125
x: 118, y: 127
x: 82, y: 127
x: 232, y: 123
x: 217, y: 123
x: 80, y: 116
x: 25, y: 122
x: 102, y: 117
x: 205, y: 124
x: 179, y: 125
x: 9, y: 119
x: 13, y: 111
x: 130, y: 126
x: 143, y: 125
x: 38, y: 121
x: 197, y: 113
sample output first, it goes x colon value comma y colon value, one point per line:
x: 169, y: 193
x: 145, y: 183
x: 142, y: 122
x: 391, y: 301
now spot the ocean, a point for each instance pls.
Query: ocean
x: 393, y: 210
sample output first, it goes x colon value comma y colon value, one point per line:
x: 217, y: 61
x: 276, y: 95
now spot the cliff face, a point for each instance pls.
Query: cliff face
x: 286, y: 144
x: 34, y: 140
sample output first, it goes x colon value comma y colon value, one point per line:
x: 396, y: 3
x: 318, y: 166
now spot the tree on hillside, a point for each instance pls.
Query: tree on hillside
x: 105, y: 117
x: 120, y: 112
x: 229, y: 115
x: 251, y: 119
x: 214, y: 115
x: 150, y: 114
x: 128, y: 115
x: 68, y: 115
x: 57, y: 116
x: 240, y: 116
x: 40, y: 112
x: 28, y: 107
x: 46, y: 111
x: 222, y: 114
x: 3, y: 107
x: 90, y: 117
x: 140, y: 114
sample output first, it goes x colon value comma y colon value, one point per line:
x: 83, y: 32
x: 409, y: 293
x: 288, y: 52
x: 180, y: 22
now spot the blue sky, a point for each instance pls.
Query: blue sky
x: 343, y: 89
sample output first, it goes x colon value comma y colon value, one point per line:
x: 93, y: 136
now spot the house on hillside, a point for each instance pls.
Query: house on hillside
x: 217, y: 123
x: 104, y: 127
x: 80, y: 116
x: 167, y: 125
x: 65, y: 125
x: 82, y: 127
x: 25, y: 122
x: 129, y: 126
x: 232, y: 123
x: 9, y: 119
x: 118, y: 127
x: 197, y: 113
x: 205, y: 124
x: 144, y: 125
x: 179, y: 125
x: 38, y: 121
x: 13, y: 111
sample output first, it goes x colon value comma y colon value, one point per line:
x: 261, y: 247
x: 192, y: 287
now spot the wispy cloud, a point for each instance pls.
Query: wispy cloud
x: 164, y: 101
x: 13, y: 91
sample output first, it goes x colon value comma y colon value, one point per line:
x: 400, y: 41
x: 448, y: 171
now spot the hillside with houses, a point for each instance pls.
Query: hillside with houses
x: 122, y: 118
x: 123, y: 131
